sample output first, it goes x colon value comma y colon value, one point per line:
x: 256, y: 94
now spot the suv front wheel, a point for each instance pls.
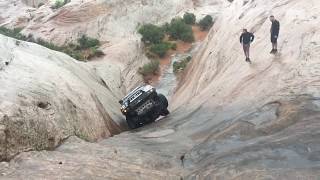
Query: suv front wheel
x: 132, y: 122
x: 164, y: 105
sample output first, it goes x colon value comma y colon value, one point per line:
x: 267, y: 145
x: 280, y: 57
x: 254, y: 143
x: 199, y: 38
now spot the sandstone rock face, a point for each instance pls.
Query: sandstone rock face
x: 113, y: 22
x: 45, y: 106
x: 14, y: 13
x: 229, y: 120
x: 255, y: 121
x: 42, y: 110
x: 47, y: 96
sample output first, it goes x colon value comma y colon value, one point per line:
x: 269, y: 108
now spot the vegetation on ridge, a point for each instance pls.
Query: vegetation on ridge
x: 206, y: 22
x: 189, y: 18
x: 179, y: 66
x: 158, y: 40
x: 59, y: 3
x: 85, y: 48
x: 150, y: 68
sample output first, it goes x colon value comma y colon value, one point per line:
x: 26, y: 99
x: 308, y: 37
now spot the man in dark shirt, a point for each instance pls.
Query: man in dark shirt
x: 245, y: 39
x: 275, y: 28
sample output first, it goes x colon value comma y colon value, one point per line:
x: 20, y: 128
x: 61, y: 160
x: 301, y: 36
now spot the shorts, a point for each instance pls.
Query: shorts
x: 246, y: 47
x: 274, y: 39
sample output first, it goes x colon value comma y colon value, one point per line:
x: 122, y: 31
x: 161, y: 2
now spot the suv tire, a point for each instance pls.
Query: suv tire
x: 132, y: 122
x: 164, y: 105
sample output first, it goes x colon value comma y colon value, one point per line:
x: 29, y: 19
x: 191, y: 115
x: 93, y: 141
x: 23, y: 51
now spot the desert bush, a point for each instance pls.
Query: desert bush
x: 151, y: 33
x: 160, y: 49
x: 59, y: 3
x: 187, y: 36
x: 173, y: 46
x: 14, y: 33
x: 86, y: 48
x: 189, y: 18
x: 76, y: 54
x: 180, y: 30
x: 151, y: 55
x: 206, y: 22
x: 87, y: 42
x: 165, y: 27
x: 150, y: 68
x: 181, y: 65
x: 49, y: 45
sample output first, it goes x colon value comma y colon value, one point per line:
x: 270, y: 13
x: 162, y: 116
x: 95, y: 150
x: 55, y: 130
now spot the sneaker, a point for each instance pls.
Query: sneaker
x: 275, y: 51
x: 249, y: 61
x: 272, y: 51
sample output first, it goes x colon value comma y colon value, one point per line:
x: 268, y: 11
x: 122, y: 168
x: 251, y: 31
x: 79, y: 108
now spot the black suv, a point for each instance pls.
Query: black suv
x: 143, y: 105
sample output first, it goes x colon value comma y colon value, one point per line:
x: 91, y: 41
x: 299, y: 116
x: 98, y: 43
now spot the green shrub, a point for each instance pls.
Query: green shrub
x: 13, y: 33
x: 76, y: 54
x: 59, y: 3
x: 206, y: 22
x: 160, y: 49
x: 49, y: 45
x: 189, y: 18
x: 187, y: 36
x: 87, y: 42
x: 181, y: 65
x: 151, y: 33
x: 151, y: 55
x: 85, y: 49
x: 180, y: 30
x: 165, y: 27
x: 173, y: 46
x: 150, y: 68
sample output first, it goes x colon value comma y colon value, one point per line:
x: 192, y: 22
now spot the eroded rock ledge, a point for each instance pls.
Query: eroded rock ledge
x: 46, y: 97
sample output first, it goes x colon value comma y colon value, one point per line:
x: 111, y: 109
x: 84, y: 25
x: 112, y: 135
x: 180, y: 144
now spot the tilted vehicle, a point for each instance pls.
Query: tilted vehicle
x: 143, y: 105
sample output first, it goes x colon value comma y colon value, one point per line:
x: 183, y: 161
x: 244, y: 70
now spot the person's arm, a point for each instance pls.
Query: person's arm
x: 277, y: 29
x: 252, y: 37
x: 241, y: 38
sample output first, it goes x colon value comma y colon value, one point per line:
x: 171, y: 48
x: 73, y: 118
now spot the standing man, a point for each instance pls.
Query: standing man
x: 275, y: 28
x: 245, y: 39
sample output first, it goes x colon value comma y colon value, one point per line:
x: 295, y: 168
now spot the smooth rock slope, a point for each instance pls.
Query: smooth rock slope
x: 46, y: 96
x: 261, y: 120
x: 113, y: 22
